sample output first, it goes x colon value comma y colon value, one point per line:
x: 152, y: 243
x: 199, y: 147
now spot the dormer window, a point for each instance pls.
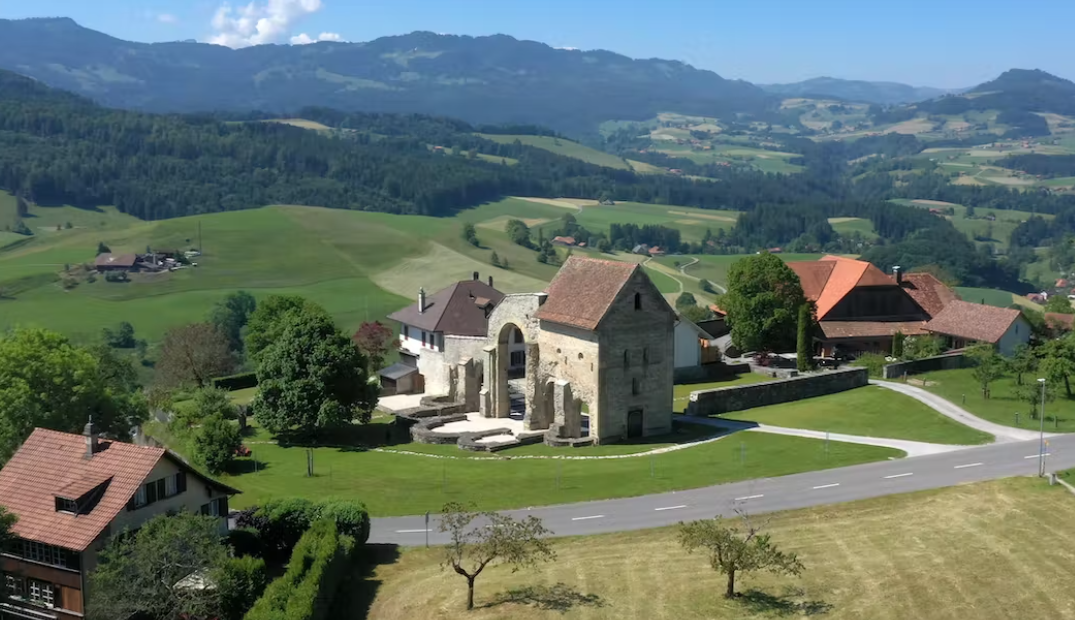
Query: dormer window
x: 64, y: 504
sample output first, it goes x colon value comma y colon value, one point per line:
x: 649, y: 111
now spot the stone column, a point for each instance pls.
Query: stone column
x: 488, y: 395
x: 568, y: 411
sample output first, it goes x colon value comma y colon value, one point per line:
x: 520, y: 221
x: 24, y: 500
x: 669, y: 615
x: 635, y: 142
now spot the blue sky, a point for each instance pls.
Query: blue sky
x: 945, y: 43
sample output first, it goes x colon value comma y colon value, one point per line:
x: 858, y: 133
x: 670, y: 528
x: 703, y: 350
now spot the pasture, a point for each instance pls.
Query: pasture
x: 715, y: 267
x: 565, y: 147
x: 989, y: 551
x: 1003, y: 402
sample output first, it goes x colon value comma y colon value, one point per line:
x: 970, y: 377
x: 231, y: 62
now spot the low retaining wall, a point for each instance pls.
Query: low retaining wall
x: 742, y: 397
x: 950, y: 361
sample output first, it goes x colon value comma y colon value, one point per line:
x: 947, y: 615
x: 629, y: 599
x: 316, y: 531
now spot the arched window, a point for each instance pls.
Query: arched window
x: 638, y: 301
x: 626, y: 359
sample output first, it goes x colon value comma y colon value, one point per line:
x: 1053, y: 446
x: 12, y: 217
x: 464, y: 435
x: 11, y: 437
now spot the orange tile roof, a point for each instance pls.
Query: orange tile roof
x: 1058, y: 321
x: 583, y: 291
x: 844, y: 274
x: 51, y: 464
x: 971, y: 321
x: 871, y: 329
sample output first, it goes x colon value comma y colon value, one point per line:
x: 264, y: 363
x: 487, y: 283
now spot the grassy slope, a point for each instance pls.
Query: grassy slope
x: 715, y: 268
x: 408, y: 484
x: 871, y: 411
x: 681, y: 394
x: 563, y: 146
x: 1002, y: 404
x: 987, y: 296
x: 988, y: 551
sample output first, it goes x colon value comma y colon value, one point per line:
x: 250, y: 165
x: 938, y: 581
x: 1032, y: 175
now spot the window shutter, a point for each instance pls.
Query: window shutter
x: 151, y: 493
x: 205, y: 509
x: 162, y: 489
x: 222, y: 506
x: 181, y: 482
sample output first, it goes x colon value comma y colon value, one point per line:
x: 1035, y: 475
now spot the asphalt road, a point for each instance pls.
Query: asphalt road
x: 769, y: 494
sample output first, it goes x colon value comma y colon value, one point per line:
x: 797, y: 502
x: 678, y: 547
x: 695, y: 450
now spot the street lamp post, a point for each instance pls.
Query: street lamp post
x: 1041, y: 432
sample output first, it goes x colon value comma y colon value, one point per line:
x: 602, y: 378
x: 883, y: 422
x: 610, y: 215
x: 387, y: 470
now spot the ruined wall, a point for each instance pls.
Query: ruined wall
x: 743, y: 397
x: 646, y: 335
x: 436, y: 366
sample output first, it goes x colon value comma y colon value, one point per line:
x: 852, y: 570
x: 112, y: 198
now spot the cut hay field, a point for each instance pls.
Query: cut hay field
x: 565, y: 147
x: 988, y: 551
x: 359, y: 265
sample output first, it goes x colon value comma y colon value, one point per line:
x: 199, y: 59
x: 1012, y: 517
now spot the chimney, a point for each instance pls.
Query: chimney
x: 490, y: 281
x: 899, y: 275
x: 91, y: 438
x: 476, y: 277
x: 421, y: 301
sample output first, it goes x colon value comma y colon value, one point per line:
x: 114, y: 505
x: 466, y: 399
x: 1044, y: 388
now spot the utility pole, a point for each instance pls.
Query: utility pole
x: 1041, y: 432
x: 201, y: 249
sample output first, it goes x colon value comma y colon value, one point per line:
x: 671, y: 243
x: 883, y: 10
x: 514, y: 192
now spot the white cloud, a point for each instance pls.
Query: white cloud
x: 258, y: 23
x: 167, y: 18
x: 305, y: 39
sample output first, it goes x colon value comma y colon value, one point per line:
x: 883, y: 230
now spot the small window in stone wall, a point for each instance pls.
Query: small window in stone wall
x: 626, y: 359
x: 580, y: 356
x: 638, y: 301
x: 645, y: 356
x: 636, y: 387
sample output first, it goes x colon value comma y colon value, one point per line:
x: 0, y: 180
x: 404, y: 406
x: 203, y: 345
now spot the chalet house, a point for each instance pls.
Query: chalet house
x: 71, y: 493
x: 860, y: 308
x: 448, y: 324
x: 115, y: 262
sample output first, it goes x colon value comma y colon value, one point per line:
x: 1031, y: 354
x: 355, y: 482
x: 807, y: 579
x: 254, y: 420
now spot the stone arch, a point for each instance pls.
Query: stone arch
x: 514, y: 312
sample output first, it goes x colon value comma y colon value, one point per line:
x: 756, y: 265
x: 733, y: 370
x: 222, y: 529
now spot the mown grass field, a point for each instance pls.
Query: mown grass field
x: 397, y: 484
x: 870, y: 411
x: 979, y: 228
x: 1002, y: 405
x: 987, y: 551
x: 715, y: 267
x: 987, y: 296
x: 565, y: 147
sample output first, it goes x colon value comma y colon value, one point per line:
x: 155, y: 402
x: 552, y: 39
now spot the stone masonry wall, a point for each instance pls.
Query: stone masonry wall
x: 926, y: 364
x: 743, y: 397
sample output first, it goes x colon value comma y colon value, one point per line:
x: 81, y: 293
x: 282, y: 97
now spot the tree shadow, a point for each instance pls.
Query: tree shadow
x: 348, y: 437
x: 560, y: 597
x: 787, y: 604
x: 358, y: 589
x: 242, y: 466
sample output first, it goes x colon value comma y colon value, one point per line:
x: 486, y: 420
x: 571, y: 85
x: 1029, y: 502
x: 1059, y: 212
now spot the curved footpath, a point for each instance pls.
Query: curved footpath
x: 947, y: 408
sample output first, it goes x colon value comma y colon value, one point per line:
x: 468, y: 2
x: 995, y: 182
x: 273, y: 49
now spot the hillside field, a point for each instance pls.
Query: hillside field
x: 988, y: 551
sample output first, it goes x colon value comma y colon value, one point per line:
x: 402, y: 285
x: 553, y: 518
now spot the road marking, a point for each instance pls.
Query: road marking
x: 827, y: 486
x: 670, y: 508
x: 899, y: 475
x: 585, y: 518
x: 1035, y: 456
x: 969, y: 465
x: 412, y: 531
x: 739, y: 499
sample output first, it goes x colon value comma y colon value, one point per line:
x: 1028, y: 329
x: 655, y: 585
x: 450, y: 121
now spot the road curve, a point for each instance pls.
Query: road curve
x: 815, y: 488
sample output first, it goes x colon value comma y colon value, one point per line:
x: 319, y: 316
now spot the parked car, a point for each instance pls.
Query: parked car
x: 242, y: 450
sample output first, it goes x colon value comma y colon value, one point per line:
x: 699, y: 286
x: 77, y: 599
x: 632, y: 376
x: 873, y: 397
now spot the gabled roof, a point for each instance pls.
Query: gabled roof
x: 583, y: 291
x: 51, y: 464
x: 930, y: 293
x: 459, y: 310
x: 830, y: 279
x: 971, y: 321
x: 115, y: 260
x: 871, y: 329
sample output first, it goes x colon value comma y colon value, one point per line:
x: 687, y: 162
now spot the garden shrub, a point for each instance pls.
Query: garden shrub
x: 240, y: 582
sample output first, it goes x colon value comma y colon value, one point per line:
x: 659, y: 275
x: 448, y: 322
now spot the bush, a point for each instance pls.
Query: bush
x: 350, y: 517
x: 305, y: 591
x: 216, y: 443
x: 246, y: 541
x: 240, y: 582
x: 239, y: 381
x: 872, y: 362
x: 281, y: 523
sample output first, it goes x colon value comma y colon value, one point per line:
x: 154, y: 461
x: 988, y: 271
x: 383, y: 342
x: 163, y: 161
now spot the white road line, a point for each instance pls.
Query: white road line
x: 827, y: 486
x: 969, y: 465
x: 412, y: 531
x: 670, y: 507
x: 585, y: 518
x: 1035, y: 456
x: 899, y: 475
x: 739, y: 499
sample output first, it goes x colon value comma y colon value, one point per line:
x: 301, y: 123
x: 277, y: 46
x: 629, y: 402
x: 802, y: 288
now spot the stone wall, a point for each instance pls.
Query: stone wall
x: 436, y: 366
x: 743, y: 397
x: 950, y: 361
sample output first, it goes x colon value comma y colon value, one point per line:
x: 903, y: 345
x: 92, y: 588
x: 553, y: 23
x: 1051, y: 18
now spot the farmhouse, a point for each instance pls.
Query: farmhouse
x: 71, y: 493
x: 563, y: 241
x: 860, y: 308
x: 115, y: 262
x: 599, y: 339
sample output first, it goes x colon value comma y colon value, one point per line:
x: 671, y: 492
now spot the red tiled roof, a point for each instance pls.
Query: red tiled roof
x: 564, y: 240
x: 871, y: 329
x: 51, y: 464
x: 971, y: 321
x: 583, y: 291
x: 844, y: 274
x: 930, y: 293
x: 1058, y: 321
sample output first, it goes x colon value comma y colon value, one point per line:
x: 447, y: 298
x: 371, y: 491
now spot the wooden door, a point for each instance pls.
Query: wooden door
x: 634, y: 423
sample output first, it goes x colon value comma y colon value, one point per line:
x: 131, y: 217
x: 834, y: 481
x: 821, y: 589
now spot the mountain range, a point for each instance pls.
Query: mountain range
x: 482, y: 80
x: 885, y: 93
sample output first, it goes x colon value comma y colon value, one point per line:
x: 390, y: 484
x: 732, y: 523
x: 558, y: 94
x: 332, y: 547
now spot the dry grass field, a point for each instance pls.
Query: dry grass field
x: 1002, y: 549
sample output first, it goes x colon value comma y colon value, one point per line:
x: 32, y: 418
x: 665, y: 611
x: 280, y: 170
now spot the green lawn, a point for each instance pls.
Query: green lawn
x: 681, y: 393
x: 715, y: 267
x: 845, y: 226
x: 987, y: 296
x: 665, y: 283
x: 869, y: 411
x: 1002, y: 404
x: 398, y: 484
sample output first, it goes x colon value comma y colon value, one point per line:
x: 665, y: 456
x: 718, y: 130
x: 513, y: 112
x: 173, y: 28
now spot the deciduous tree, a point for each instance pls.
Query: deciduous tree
x: 481, y: 539
x: 375, y: 340
x: 1031, y: 393
x: 736, y: 547
x: 312, y: 377
x: 470, y: 234
x: 231, y: 314
x: 685, y: 300
x: 988, y: 366
x: 215, y: 443
x: 266, y: 322
x: 142, y: 574
x: 918, y: 347
x: 45, y: 381
x: 1059, y: 304
x: 7, y: 521
x: 763, y: 301
x: 519, y: 233
x: 1022, y: 361
x: 193, y: 354
x: 1058, y: 363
